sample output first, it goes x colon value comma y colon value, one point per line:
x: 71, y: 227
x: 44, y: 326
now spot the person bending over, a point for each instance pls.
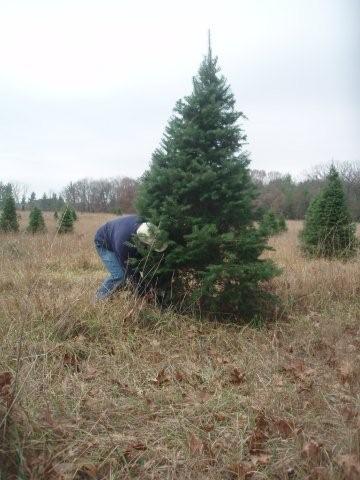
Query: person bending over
x: 114, y: 244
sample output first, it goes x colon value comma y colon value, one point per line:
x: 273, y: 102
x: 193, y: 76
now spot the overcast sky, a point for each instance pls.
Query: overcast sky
x: 87, y: 87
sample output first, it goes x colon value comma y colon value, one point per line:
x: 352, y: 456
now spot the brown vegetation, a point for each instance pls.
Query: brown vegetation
x: 120, y: 390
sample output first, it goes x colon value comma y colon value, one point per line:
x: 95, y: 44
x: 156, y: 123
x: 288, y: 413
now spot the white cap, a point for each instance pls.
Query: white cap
x: 147, y: 233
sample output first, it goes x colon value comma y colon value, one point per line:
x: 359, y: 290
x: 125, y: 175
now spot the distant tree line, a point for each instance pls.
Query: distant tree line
x: 115, y: 195
x: 46, y: 203
x: 291, y: 198
x: 278, y: 192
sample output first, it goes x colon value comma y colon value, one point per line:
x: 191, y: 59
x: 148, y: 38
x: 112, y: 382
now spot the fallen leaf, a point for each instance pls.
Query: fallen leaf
x: 220, y: 417
x: 241, y: 470
x: 259, y: 435
x: 203, y: 396
x: 135, y: 446
x: 190, y: 334
x: 285, y: 427
x: 208, y: 427
x: 349, y: 413
x: 196, y: 445
x: 5, y: 379
x: 278, y: 381
x: 297, y: 369
x: 222, y: 360
x: 124, y: 387
x: 161, y: 377
x: 298, y: 366
x: 71, y: 360
x: 179, y: 376
x: 346, y: 372
x: 256, y: 441
x: 237, y: 377
x: 350, y: 465
x: 90, y: 373
x: 139, y: 446
x: 208, y: 451
x: 39, y: 466
x: 5, y: 386
x: 80, y: 339
x: 88, y: 471
x: 261, y: 459
x: 318, y: 473
x: 311, y: 450
x: 261, y: 421
x: 48, y: 419
x: 64, y: 470
x: 305, y: 386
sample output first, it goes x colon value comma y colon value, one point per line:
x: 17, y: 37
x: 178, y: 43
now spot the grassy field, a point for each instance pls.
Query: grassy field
x: 119, y: 390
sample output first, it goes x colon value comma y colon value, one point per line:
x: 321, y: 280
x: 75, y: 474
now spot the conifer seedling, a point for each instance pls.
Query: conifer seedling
x: 8, y: 217
x: 328, y: 229
x: 36, y: 221
x: 66, y: 221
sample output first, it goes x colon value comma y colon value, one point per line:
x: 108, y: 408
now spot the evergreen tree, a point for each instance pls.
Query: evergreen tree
x: 328, y: 229
x: 23, y: 203
x: 2, y: 194
x: 36, y: 221
x: 8, y: 218
x: 56, y: 215
x: 199, y: 192
x: 73, y: 213
x: 66, y: 221
x: 32, y: 200
x: 272, y: 223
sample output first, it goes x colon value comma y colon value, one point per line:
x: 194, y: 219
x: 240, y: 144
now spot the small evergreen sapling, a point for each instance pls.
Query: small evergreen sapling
x: 328, y: 230
x: 272, y: 223
x: 66, y: 221
x: 282, y: 223
x: 8, y: 218
x: 36, y: 221
x: 73, y: 213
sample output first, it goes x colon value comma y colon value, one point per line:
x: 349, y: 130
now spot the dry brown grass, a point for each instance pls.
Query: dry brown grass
x: 120, y: 390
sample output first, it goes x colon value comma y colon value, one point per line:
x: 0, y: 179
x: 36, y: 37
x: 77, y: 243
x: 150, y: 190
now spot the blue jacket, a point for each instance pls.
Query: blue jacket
x: 115, y: 234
